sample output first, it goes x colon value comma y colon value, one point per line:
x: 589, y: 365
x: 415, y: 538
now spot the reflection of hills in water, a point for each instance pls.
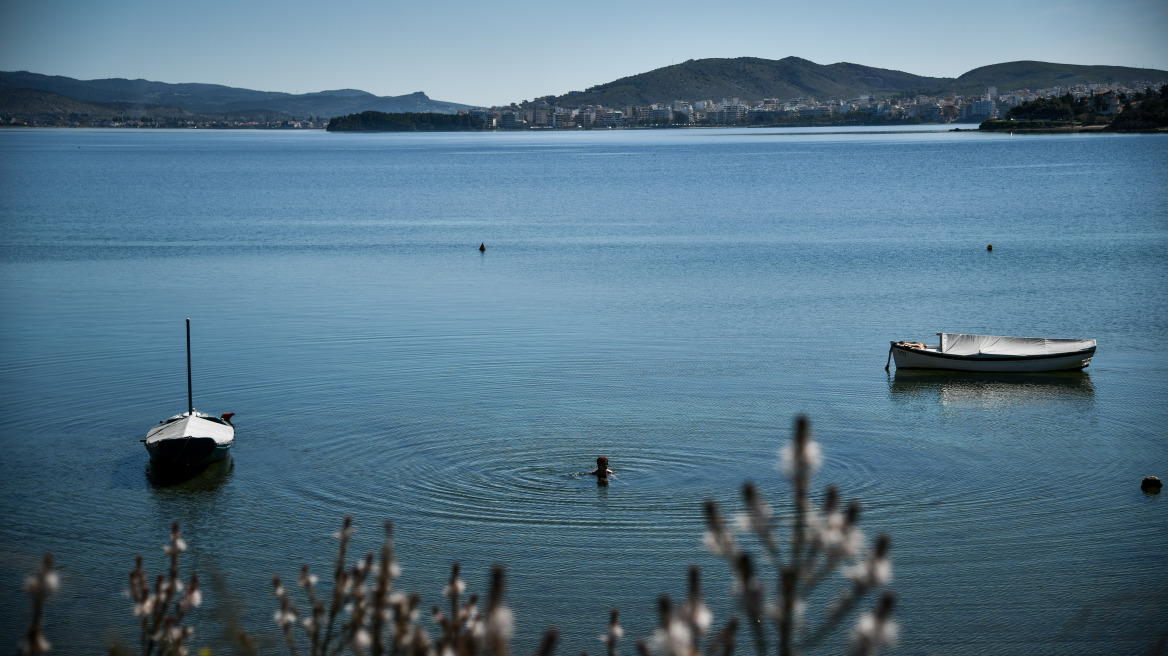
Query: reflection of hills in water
x: 985, y: 389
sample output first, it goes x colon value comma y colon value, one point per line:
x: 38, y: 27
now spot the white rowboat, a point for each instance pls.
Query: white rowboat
x: 993, y: 353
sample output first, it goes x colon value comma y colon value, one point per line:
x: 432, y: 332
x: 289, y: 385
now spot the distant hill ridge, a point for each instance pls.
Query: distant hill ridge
x: 219, y: 99
x: 752, y: 79
x: 747, y: 78
x: 33, y: 107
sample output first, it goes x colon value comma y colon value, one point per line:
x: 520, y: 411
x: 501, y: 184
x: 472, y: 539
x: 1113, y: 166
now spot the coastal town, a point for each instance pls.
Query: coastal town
x: 865, y: 109
x: 550, y: 113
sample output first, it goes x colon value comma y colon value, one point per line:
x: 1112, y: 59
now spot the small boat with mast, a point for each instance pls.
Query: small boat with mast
x: 190, y: 439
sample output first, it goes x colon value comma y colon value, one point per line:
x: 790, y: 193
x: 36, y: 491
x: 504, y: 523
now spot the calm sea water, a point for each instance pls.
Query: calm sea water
x: 671, y: 300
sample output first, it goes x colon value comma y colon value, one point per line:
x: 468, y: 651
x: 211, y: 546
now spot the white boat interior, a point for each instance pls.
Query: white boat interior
x: 962, y: 344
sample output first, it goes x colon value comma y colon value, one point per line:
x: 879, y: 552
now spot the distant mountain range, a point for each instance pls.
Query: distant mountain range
x: 747, y: 78
x: 218, y: 100
x: 751, y: 79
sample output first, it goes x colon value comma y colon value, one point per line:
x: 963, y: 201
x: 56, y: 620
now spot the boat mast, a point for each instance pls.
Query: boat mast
x: 190, y: 397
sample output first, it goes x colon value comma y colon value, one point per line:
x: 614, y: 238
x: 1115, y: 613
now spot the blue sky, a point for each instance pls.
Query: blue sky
x: 488, y: 53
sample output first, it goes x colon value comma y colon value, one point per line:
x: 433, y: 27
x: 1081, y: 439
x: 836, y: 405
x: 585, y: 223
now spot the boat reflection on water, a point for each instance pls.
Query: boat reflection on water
x: 991, y: 389
x: 187, y: 479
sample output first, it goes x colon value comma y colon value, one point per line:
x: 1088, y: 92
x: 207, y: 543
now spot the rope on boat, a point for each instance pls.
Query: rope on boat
x: 889, y: 363
x: 186, y: 441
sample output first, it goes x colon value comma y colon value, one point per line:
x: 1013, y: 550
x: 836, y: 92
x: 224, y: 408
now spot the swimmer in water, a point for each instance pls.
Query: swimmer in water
x: 602, y: 472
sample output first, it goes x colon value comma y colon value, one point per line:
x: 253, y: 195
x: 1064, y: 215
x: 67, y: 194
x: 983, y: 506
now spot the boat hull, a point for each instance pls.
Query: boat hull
x: 189, y: 441
x: 187, y: 452
x: 914, y: 358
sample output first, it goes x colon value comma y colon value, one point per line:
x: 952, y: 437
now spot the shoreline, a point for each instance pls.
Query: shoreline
x: 1077, y: 129
x: 841, y: 129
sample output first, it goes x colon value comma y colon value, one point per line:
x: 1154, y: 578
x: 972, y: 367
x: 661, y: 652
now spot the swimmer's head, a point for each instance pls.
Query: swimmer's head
x: 601, y: 461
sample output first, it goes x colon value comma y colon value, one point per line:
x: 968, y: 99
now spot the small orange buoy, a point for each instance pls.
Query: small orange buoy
x: 483, y: 247
x: 990, y: 247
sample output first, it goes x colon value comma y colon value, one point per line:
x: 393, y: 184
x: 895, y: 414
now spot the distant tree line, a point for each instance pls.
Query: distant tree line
x: 405, y: 122
x: 1061, y: 108
x: 1147, y: 110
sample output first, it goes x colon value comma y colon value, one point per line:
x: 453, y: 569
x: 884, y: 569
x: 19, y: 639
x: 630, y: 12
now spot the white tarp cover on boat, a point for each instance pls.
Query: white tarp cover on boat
x: 960, y: 344
x: 187, y: 426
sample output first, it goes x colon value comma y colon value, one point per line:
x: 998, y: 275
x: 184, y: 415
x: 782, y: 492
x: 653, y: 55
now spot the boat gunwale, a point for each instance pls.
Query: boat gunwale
x: 979, y: 357
x: 197, y: 414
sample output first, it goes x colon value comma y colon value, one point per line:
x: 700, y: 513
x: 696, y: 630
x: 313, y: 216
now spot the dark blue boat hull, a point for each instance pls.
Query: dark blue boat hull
x: 187, y: 452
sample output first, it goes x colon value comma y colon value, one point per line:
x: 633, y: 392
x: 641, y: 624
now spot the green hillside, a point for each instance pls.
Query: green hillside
x: 750, y: 79
x: 1042, y: 75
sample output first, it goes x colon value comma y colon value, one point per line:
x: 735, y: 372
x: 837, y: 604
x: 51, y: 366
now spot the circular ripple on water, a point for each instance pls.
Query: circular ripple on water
x: 442, y: 470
